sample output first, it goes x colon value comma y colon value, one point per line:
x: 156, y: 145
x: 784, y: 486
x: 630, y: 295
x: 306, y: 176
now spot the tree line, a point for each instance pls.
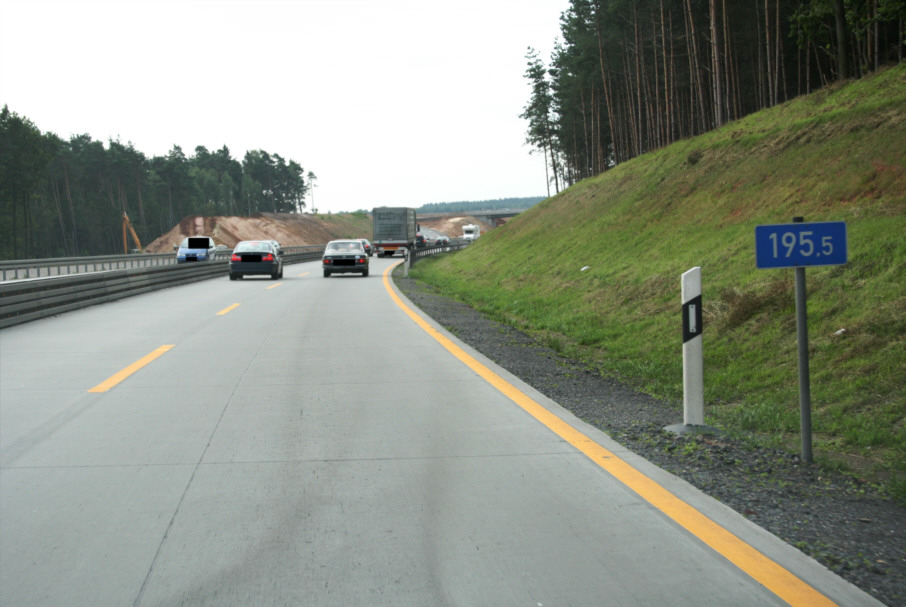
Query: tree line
x: 63, y: 198
x: 630, y: 76
x: 480, y: 205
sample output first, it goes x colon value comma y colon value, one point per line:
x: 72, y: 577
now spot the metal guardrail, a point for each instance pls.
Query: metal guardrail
x: 74, y: 283
x: 420, y: 253
x: 26, y: 300
x: 62, y: 266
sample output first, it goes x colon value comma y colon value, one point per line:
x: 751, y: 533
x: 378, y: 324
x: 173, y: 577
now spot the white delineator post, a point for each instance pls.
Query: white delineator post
x: 693, y: 363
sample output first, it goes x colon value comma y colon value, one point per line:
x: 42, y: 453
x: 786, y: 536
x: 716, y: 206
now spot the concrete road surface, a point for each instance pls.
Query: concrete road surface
x: 313, y: 441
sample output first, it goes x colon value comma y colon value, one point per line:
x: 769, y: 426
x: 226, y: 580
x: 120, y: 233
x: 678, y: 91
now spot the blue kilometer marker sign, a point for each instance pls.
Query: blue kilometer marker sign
x: 796, y: 245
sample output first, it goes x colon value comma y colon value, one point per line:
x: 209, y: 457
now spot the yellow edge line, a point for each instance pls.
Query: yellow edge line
x: 755, y: 564
x: 274, y: 286
x: 228, y: 309
x: 115, y: 379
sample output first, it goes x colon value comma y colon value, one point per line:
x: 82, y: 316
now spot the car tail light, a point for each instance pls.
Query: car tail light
x: 268, y: 257
x: 360, y: 260
x: 235, y: 257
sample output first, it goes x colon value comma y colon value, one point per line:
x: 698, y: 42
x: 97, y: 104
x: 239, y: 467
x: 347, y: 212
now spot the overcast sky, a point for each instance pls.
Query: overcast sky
x: 386, y: 101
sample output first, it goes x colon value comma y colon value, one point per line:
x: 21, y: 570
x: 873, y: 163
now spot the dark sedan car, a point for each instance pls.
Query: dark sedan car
x: 251, y: 257
x: 345, y: 256
x: 369, y: 249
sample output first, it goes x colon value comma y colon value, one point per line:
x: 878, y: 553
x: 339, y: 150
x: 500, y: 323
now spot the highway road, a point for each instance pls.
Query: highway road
x: 315, y: 441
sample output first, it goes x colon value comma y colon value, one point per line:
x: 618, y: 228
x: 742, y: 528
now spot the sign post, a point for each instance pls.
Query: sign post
x: 797, y: 245
x: 805, y: 385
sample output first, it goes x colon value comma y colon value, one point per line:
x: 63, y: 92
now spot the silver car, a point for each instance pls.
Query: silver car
x: 345, y: 257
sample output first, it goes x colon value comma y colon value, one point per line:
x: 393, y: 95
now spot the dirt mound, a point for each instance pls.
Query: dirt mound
x: 288, y: 229
x: 291, y: 229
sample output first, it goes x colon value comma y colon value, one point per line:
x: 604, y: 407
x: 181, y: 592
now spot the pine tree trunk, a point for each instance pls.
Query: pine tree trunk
x: 842, y: 42
x: 716, y: 76
x: 639, y: 100
x: 767, y: 50
x: 778, y: 66
x: 608, y: 102
x: 75, y: 225
x: 696, y: 72
x: 668, y: 93
x: 55, y: 192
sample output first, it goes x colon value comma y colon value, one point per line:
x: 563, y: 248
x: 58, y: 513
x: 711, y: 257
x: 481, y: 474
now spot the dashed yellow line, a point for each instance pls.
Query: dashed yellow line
x: 117, y: 378
x: 228, y: 309
x: 759, y: 567
x: 303, y: 274
x: 274, y: 286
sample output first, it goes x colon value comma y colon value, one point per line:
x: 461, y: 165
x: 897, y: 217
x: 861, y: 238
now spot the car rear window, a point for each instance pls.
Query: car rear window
x: 262, y: 247
x: 345, y: 247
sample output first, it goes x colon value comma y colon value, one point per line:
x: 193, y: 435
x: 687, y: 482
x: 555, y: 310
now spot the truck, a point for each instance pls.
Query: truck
x: 470, y: 232
x: 394, y: 230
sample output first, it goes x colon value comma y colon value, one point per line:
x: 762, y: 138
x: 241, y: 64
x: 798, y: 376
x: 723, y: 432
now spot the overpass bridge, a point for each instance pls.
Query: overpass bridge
x: 493, y: 216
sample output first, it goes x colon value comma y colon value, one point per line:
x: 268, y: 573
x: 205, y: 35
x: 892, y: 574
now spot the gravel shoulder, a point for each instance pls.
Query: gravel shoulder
x: 844, y: 524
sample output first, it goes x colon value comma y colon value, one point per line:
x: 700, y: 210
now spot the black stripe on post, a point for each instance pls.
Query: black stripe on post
x: 692, y: 318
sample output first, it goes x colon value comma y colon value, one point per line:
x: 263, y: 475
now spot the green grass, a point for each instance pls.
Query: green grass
x: 357, y: 224
x: 837, y: 155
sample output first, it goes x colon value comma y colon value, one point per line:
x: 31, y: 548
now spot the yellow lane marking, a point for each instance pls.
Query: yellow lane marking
x: 274, y: 286
x: 115, y: 379
x: 304, y: 274
x: 769, y: 574
x: 228, y: 309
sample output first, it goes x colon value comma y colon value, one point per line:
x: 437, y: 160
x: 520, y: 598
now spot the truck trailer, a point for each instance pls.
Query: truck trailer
x: 394, y: 229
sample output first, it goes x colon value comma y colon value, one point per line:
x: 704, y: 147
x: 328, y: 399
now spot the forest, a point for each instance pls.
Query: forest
x: 631, y: 76
x: 67, y: 198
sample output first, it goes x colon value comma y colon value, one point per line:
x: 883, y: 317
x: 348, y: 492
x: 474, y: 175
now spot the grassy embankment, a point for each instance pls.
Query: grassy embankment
x: 836, y: 155
x: 357, y: 224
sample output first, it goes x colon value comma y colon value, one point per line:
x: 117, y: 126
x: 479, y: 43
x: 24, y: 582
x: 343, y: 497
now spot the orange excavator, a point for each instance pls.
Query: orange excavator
x: 128, y: 224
